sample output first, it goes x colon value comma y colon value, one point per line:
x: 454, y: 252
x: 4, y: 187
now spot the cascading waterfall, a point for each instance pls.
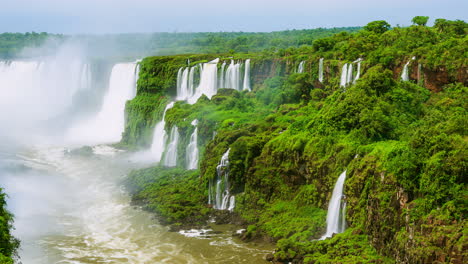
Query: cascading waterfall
x: 221, y: 76
x: 232, y: 77
x: 160, y: 136
x: 336, y: 216
x: 192, y: 148
x: 170, y: 160
x: 300, y: 68
x: 247, y: 75
x: 108, y: 125
x: 29, y: 84
x: 191, y: 82
x: 229, y: 77
x: 183, y: 85
x: 347, y: 73
x: 404, y: 73
x: 220, y: 197
x: 344, y: 75
x: 179, y: 79
x: 320, y: 73
x: 208, y: 81
x: 358, y: 73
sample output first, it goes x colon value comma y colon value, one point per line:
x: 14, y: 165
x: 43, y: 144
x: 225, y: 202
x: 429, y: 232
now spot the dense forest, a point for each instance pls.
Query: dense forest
x: 131, y: 45
x: 401, y: 141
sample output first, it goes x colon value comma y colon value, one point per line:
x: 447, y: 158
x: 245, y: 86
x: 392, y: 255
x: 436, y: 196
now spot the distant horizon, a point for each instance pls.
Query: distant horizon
x: 110, y: 17
x: 179, y: 32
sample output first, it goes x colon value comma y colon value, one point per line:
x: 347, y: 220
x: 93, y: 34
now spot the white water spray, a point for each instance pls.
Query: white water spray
x: 320, y: 73
x: 160, y: 136
x: 336, y: 218
x: 344, y: 75
x: 170, y: 160
x: 404, y: 73
x: 222, y: 198
x: 108, y: 125
x: 192, y: 148
x: 300, y: 68
x: 247, y: 75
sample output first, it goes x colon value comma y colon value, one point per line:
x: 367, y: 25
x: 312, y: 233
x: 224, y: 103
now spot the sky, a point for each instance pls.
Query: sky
x: 125, y: 16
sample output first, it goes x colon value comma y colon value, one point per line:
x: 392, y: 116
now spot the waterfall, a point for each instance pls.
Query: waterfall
x: 160, y: 136
x: 358, y: 73
x: 229, y: 77
x: 320, y: 74
x: 222, y: 199
x: 170, y: 160
x: 41, y: 89
x: 179, y: 80
x: 183, y: 89
x: 108, y: 125
x: 344, y: 75
x: 232, y: 78
x: 192, y: 148
x: 300, y: 69
x: 191, y: 82
x: 221, y: 76
x: 336, y: 216
x: 404, y: 73
x: 349, y: 75
x: 208, y: 81
x: 247, y: 75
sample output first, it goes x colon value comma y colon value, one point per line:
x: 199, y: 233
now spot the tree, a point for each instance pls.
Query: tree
x: 379, y: 26
x: 420, y: 20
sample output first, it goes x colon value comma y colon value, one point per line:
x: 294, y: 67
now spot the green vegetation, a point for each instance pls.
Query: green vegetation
x: 403, y: 144
x: 138, y: 45
x: 8, y: 244
x: 12, y: 44
x: 420, y: 20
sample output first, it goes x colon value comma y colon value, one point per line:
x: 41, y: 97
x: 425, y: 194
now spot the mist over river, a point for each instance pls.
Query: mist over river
x: 72, y: 208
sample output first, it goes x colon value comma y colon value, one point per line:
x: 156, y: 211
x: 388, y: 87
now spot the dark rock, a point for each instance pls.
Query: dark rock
x: 269, y: 257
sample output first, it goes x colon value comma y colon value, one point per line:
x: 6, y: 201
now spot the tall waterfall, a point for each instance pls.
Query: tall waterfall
x: 232, y: 78
x: 170, y: 160
x: 108, y: 125
x: 344, y: 75
x: 160, y: 136
x: 183, y: 91
x: 247, y: 75
x: 208, y: 82
x: 39, y: 90
x: 300, y: 68
x: 192, y: 148
x: 404, y: 73
x: 320, y: 73
x: 358, y: 73
x: 347, y: 73
x: 220, y: 197
x: 336, y: 216
x: 221, y: 76
x: 191, y: 82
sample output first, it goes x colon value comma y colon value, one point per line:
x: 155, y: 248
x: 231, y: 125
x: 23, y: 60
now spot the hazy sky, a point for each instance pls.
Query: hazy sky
x: 113, y: 16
